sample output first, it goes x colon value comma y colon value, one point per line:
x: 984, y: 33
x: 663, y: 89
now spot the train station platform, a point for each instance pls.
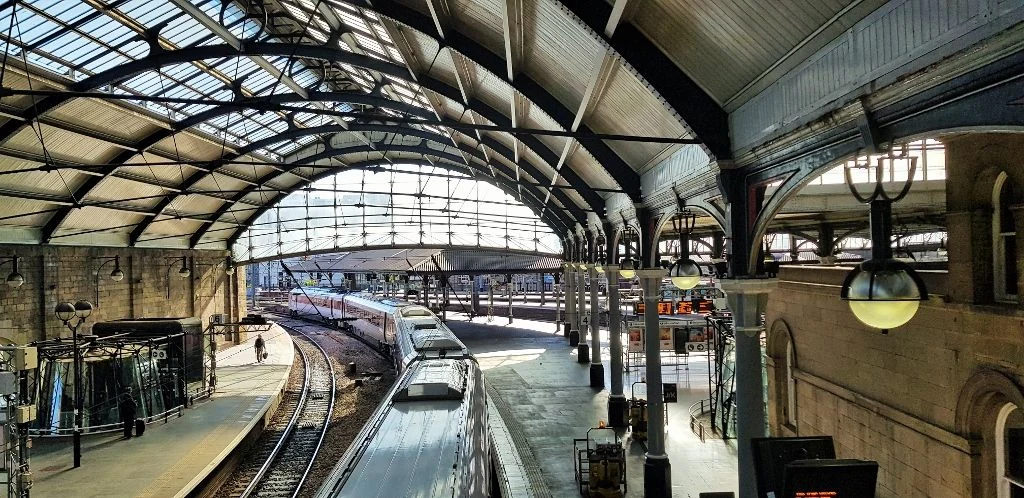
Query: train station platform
x: 545, y: 400
x: 173, y: 458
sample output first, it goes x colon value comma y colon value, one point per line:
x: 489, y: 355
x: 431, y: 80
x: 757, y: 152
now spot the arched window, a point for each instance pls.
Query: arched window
x: 1004, y: 240
x: 1009, y: 439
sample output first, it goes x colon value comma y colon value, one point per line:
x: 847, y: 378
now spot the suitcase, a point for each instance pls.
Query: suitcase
x: 140, y: 427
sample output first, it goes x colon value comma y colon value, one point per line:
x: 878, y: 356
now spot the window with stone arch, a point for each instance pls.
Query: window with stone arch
x: 1004, y: 240
x: 1009, y: 437
x: 782, y: 363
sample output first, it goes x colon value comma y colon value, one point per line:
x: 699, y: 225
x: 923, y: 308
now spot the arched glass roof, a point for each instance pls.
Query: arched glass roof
x: 403, y: 206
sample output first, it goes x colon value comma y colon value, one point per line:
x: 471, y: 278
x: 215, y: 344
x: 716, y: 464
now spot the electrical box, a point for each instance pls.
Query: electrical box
x: 8, y: 383
x: 26, y: 358
x: 25, y: 414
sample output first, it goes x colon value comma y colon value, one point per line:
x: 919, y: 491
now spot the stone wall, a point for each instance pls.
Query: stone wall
x: 892, y: 398
x: 60, y: 273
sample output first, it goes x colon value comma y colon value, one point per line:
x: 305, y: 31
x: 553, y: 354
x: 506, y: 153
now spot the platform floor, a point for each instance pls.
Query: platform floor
x: 172, y: 458
x: 535, y: 373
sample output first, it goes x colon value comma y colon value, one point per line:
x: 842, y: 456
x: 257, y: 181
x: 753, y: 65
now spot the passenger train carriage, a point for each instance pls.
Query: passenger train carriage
x: 429, y: 436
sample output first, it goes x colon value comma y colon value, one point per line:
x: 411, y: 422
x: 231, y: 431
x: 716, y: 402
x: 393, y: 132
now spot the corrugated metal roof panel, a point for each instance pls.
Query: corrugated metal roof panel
x: 104, y: 118
x: 742, y: 40
x: 481, y: 20
x: 62, y: 145
x: 559, y: 54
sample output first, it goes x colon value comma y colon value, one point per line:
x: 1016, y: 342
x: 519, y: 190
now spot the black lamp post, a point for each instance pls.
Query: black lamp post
x: 183, y: 272
x: 67, y: 312
x: 685, y: 273
x: 883, y: 292
x: 116, y: 274
x: 627, y: 267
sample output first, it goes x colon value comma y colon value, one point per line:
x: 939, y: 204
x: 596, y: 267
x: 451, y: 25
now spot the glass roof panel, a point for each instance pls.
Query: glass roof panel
x: 407, y: 204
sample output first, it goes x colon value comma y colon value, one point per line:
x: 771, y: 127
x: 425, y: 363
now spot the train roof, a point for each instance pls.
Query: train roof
x: 416, y: 446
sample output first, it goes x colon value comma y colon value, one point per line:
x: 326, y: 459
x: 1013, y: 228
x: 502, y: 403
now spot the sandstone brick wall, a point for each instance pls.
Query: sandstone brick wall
x: 56, y: 273
x: 892, y: 398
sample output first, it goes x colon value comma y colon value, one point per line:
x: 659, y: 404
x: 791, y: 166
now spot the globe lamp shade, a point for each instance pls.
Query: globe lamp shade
x: 117, y: 275
x: 884, y: 294
x: 230, y: 270
x: 83, y: 309
x: 15, y: 280
x: 628, y: 268
x: 685, y: 274
x: 64, y: 311
x: 184, y: 272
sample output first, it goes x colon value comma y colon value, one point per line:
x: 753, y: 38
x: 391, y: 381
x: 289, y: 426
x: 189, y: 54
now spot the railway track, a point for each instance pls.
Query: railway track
x: 288, y: 459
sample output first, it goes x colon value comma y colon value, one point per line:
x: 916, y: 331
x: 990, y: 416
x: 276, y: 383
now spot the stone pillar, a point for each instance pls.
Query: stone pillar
x: 581, y: 302
x: 746, y: 299
x: 572, y: 321
x: 657, y: 469
x: 583, y: 349
x: 596, y: 367
x: 616, y: 399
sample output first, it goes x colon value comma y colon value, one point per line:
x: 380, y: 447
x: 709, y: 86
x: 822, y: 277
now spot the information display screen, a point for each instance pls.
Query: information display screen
x: 830, y: 479
x: 772, y: 454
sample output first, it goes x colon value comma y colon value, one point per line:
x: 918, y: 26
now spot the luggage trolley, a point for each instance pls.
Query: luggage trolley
x: 638, y: 414
x: 600, y: 464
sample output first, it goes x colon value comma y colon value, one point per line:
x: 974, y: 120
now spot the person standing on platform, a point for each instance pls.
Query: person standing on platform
x: 128, y: 410
x: 261, y: 348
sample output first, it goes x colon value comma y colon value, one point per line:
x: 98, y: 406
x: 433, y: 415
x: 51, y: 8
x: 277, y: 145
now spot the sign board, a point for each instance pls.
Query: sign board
x: 665, y: 339
x: 696, y: 347
x: 636, y: 337
x: 670, y: 391
x: 585, y: 321
x: 159, y: 354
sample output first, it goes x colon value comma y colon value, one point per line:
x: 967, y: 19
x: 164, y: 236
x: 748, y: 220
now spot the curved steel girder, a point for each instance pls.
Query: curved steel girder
x: 137, y: 233
x: 691, y: 103
x: 559, y: 226
x: 627, y: 178
x: 190, y: 54
x: 92, y: 182
x: 416, y: 149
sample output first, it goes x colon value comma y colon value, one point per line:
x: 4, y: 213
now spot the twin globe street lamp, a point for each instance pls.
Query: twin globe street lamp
x: 67, y: 312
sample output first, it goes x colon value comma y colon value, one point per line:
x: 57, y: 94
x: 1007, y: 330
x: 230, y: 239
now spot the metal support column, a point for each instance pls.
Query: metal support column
x: 572, y: 321
x: 542, y: 300
x: 474, y: 292
x: 746, y: 299
x: 616, y: 399
x: 596, y: 367
x: 657, y: 470
x: 511, y: 288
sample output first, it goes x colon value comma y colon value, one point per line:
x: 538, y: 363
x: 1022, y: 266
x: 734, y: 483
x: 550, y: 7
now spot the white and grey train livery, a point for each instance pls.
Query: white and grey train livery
x: 428, y: 438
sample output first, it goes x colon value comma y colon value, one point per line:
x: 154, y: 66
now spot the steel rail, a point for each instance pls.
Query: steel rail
x: 260, y: 479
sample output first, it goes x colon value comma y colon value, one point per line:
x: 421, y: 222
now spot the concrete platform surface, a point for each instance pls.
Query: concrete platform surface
x: 534, y: 372
x: 172, y: 458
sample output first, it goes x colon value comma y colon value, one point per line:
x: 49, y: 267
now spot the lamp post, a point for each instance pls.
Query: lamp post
x: 116, y: 274
x: 685, y: 273
x: 14, y: 279
x: 67, y: 312
x: 183, y: 272
x: 627, y: 267
x: 883, y: 292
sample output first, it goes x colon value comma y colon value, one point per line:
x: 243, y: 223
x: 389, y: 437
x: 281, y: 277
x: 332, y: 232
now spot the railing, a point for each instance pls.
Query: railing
x: 696, y: 410
x: 178, y: 410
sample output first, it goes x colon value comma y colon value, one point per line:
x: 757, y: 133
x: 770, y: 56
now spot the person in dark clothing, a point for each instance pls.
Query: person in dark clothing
x: 261, y: 347
x: 128, y: 410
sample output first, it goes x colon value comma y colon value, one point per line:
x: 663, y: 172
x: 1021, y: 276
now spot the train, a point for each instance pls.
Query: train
x: 429, y: 437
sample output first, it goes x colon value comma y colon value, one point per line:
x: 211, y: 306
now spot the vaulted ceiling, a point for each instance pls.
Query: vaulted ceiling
x: 175, y: 123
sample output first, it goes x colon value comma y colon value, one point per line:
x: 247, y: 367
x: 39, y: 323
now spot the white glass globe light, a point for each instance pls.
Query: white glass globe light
x: 117, y: 275
x: 15, y: 280
x: 685, y: 274
x: 883, y: 299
